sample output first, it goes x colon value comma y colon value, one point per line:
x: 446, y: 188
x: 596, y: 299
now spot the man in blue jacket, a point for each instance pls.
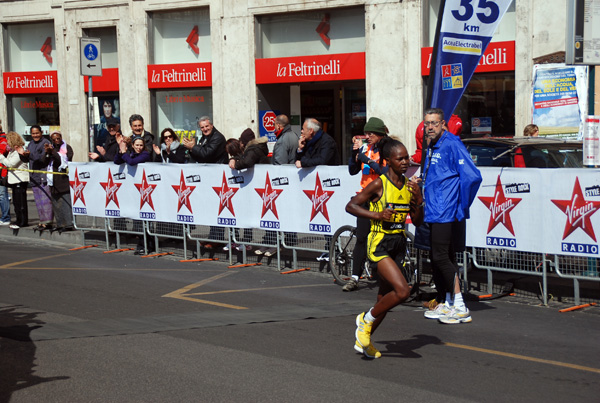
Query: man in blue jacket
x: 450, y: 183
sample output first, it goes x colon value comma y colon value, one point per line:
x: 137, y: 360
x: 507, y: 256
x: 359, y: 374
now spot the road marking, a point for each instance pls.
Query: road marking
x: 170, y: 269
x: 524, y: 357
x: 260, y: 289
x: 180, y: 293
x: 9, y: 265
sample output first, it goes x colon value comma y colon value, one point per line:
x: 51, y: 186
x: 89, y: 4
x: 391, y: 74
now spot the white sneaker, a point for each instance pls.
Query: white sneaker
x: 270, y: 252
x: 438, y: 312
x: 4, y: 222
x: 456, y: 316
x: 324, y: 257
x: 13, y: 226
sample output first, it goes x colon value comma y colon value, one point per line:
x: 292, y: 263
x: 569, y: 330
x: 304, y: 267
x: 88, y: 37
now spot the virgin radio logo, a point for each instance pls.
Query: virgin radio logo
x: 78, y: 185
x: 500, y: 208
x: 579, y: 212
x: 183, y: 199
x: 111, y: 188
x: 319, y: 198
x: 225, y: 194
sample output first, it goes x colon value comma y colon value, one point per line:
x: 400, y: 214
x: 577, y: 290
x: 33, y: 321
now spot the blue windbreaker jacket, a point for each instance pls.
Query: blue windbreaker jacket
x: 451, y: 180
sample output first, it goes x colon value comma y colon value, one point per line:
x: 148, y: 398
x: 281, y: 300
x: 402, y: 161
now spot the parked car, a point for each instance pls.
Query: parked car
x: 525, y: 152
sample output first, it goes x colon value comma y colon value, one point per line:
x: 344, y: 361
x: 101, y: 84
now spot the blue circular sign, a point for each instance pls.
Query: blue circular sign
x: 91, y: 52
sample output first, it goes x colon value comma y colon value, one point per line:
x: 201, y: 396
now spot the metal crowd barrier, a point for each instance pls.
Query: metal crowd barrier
x: 492, y: 260
x: 511, y: 261
x: 578, y: 269
x: 89, y: 223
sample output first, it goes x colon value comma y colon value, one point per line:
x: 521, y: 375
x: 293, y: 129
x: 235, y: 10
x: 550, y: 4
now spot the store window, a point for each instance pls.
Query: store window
x: 180, y: 71
x: 31, y: 110
x: 30, y: 80
x: 312, y: 33
x: 181, y: 109
x: 180, y: 36
x: 30, y: 47
x: 487, y: 108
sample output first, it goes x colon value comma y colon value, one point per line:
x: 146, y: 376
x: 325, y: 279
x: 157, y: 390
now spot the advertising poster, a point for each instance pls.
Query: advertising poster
x: 560, y: 99
x: 108, y: 109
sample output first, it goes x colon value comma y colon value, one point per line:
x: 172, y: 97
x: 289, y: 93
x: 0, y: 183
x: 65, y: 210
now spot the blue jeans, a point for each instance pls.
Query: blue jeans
x: 4, y: 204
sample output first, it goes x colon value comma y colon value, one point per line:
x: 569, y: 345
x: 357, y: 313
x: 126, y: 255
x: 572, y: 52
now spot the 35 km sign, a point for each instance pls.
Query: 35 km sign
x: 91, y: 57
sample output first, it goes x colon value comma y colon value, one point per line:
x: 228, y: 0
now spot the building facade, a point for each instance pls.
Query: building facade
x: 241, y: 62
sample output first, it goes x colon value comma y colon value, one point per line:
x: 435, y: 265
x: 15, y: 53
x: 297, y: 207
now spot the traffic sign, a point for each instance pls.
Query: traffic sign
x: 91, y: 57
x: 268, y: 121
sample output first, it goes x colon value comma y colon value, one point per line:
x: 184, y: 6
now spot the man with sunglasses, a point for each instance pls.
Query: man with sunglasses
x: 450, y: 182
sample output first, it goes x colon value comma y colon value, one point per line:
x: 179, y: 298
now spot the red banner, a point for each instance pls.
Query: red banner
x: 499, y: 56
x: 107, y: 82
x: 179, y: 75
x: 30, y: 82
x: 343, y: 66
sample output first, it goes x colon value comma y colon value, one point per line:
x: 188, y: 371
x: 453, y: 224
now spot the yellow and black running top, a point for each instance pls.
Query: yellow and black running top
x: 395, y: 198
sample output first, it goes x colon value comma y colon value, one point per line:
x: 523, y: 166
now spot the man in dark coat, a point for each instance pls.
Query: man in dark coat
x: 210, y: 147
x: 315, y: 147
x: 136, y: 122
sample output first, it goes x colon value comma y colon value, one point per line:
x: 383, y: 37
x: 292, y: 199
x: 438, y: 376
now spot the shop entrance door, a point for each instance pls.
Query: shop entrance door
x: 340, y: 107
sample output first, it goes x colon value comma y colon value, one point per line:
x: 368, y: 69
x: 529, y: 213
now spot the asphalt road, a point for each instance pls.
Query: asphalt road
x: 84, y: 326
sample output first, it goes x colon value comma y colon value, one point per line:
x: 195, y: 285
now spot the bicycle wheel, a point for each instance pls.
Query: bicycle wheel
x: 340, y: 253
x: 409, y: 264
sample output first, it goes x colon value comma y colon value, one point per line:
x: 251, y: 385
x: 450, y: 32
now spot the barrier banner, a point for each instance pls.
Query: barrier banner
x: 537, y: 210
x: 552, y: 211
x: 466, y: 29
x: 269, y: 197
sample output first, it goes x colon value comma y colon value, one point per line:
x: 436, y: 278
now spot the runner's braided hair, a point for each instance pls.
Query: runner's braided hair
x: 387, y: 144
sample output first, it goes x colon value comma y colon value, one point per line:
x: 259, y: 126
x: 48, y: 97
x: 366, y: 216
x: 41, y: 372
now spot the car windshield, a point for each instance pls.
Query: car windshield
x: 530, y: 155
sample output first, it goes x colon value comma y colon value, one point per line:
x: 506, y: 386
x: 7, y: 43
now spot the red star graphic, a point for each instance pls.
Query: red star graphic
x: 500, y: 207
x: 77, y: 187
x: 183, y: 194
x: 225, y: 195
x: 111, y: 187
x: 145, y: 190
x: 319, y: 198
x: 268, y: 196
x: 578, y: 212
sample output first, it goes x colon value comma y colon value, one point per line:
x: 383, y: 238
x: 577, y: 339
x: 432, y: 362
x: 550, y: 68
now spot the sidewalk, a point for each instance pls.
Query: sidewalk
x: 71, y: 237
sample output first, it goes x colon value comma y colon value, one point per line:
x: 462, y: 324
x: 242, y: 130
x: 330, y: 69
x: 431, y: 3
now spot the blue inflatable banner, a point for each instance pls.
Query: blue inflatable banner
x: 466, y: 29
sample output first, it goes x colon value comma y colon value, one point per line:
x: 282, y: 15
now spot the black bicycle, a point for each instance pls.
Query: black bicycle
x: 340, y: 257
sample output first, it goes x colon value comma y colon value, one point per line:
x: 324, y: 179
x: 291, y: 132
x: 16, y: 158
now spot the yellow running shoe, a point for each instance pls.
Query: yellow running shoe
x: 371, y: 352
x: 430, y: 304
x: 358, y: 347
x: 363, y: 330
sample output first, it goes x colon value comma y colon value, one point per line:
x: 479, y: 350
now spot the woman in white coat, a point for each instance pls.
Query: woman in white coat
x: 17, y: 180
